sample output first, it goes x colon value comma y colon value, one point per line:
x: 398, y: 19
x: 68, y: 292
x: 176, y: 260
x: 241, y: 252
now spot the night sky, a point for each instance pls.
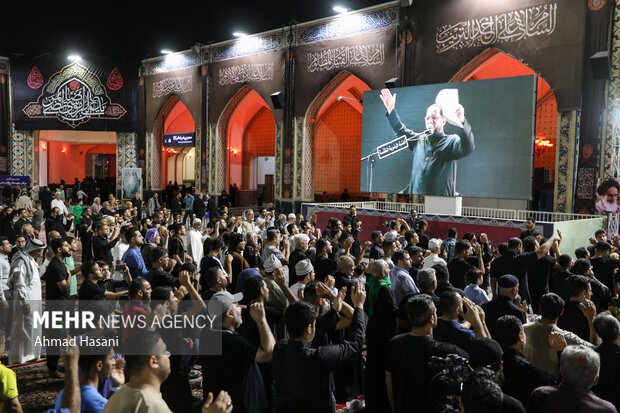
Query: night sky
x: 141, y: 29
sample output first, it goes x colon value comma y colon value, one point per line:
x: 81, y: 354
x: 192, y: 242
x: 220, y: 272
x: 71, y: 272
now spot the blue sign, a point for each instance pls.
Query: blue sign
x: 179, y: 139
x: 14, y: 180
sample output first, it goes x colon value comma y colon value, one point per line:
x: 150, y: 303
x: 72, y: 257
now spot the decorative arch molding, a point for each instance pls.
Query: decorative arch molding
x: 304, y: 129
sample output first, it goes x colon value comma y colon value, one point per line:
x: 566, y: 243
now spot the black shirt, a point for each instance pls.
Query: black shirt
x: 517, y: 265
x: 526, y: 233
x: 443, y: 287
x: 158, y: 278
x: 423, y: 243
x: 294, y: 258
x: 323, y: 267
x: 521, y: 377
x: 56, y: 272
x: 499, y: 307
x: 607, y: 386
x: 175, y: 247
x: 457, y: 269
x: 573, y: 320
x: 556, y: 283
x: 102, y: 249
x: 406, y: 359
x: 603, y: 269
x: 111, y: 285
x: 304, y: 379
x: 88, y: 290
x: 538, y: 279
x: 234, y: 370
x: 55, y: 224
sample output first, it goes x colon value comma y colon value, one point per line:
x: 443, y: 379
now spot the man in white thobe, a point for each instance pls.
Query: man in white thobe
x: 195, y: 241
x: 25, y: 285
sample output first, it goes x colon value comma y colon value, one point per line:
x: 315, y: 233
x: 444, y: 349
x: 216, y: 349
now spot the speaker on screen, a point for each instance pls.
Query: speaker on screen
x: 472, y: 139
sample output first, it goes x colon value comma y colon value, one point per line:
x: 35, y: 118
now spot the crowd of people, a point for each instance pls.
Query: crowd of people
x: 304, y: 318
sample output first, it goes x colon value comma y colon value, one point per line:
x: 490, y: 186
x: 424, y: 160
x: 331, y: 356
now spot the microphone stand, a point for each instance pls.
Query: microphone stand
x: 372, y: 160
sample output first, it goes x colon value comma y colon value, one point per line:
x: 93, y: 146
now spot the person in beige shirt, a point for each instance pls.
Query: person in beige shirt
x: 545, y: 339
x: 146, y: 373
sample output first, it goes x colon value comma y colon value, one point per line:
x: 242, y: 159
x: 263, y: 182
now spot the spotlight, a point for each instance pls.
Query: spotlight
x: 166, y: 51
x: 239, y: 34
x: 340, y: 9
x: 74, y: 58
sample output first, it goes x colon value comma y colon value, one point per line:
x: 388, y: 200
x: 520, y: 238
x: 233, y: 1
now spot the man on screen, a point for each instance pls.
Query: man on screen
x: 434, y: 153
x: 608, y: 193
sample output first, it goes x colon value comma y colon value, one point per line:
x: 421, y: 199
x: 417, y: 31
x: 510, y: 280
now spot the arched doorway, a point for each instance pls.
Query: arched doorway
x: 172, y: 163
x: 247, y: 132
x: 493, y: 63
x: 333, y: 125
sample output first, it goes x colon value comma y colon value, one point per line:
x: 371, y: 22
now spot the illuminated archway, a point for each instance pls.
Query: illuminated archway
x: 333, y: 136
x: 246, y: 130
x: 174, y: 117
x: 493, y: 63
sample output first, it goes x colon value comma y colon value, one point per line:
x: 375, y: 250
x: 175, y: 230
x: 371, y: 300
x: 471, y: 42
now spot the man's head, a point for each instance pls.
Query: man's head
x: 579, y: 366
x: 55, y: 212
x: 300, y: 319
x: 153, y: 361
x: 515, y: 245
x: 426, y: 279
x: 442, y: 273
x: 416, y: 254
x: 509, y: 332
x: 582, y: 266
x: 304, y: 271
x: 508, y: 285
x: 379, y: 268
x: 135, y: 238
x: 5, y: 245
x: 215, y: 278
x: 486, y: 352
x: 474, y: 276
x: 96, y: 361
x: 608, y: 191
x: 450, y: 303
x: 578, y: 288
x: 435, y: 119
x: 140, y: 290
x: 104, y: 266
x: 300, y: 242
x: 551, y: 306
x: 600, y: 235
x: 345, y: 265
x: 462, y: 248
x: 602, y: 248
x: 607, y: 327
x: 255, y: 288
x: 377, y: 237
x: 159, y: 257
x: 434, y: 245
x: 226, y: 310
x: 91, y: 271
x: 20, y: 241
x: 401, y: 259
x: 60, y: 248
x: 565, y: 261
x: 421, y: 312
x: 530, y: 223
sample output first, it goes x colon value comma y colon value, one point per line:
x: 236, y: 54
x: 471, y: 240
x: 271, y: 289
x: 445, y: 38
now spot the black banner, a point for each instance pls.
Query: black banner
x: 369, y: 56
x: 596, y: 40
x: 5, y: 121
x: 84, y: 95
x: 546, y: 35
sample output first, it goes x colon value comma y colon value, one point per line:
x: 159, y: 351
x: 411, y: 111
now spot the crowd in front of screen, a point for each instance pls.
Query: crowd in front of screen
x: 311, y: 317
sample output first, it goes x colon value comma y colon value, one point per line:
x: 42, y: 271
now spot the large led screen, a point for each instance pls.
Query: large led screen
x: 472, y: 139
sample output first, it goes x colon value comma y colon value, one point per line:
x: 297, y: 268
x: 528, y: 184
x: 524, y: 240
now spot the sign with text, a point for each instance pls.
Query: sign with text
x: 14, y: 180
x: 179, y: 139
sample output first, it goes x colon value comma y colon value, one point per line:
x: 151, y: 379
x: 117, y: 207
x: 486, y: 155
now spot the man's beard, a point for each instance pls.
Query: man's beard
x: 609, y: 206
x: 66, y: 254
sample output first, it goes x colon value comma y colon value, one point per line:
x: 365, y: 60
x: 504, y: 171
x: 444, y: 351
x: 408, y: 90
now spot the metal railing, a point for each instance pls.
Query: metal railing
x: 478, y: 212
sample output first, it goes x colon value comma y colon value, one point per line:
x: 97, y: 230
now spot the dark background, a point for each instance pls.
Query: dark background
x: 138, y: 29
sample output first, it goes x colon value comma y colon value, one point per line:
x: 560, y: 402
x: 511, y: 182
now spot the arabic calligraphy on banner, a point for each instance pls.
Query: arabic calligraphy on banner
x: 256, y: 72
x: 172, y: 85
x: 346, y: 56
x: 74, y: 96
x: 506, y: 27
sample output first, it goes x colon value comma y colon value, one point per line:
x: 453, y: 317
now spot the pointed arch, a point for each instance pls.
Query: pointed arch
x: 494, y: 63
x: 334, y: 126
x: 238, y: 115
x: 172, y: 110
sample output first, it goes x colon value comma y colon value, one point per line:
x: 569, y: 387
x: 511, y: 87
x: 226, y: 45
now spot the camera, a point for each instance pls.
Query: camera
x: 120, y: 267
x: 445, y: 385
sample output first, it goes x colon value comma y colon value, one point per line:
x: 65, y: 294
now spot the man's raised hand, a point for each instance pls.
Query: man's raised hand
x: 389, y: 100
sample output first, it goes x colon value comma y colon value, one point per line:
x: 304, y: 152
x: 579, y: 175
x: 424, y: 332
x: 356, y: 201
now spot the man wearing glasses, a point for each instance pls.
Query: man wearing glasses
x: 434, y: 153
